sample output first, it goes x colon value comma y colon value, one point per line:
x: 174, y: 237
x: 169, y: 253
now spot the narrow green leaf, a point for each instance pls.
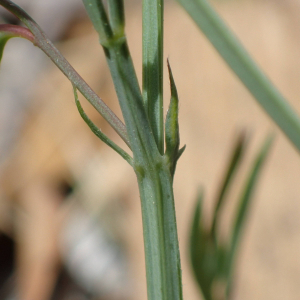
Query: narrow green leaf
x: 197, y: 235
x: 98, y: 132
x: 171, y: 126
x: 245, y: 68
x: 244, y: 203
x: 203, y: 252
x: 236, y: 159
x: 153, y: 67
x: 196, y: 231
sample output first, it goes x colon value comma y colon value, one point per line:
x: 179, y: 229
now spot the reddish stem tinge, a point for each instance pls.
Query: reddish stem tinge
x: 17, y: 31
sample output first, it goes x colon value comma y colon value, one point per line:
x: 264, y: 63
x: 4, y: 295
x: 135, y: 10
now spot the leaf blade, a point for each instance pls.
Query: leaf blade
x: 172, y: 126
x: 202, y: 252
x: 98, y: 132
x: 244, y: 203
x: 234, y: 162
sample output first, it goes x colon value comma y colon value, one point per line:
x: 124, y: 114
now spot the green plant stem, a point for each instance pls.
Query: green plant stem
x: 245, y: 68
x: 153, y: 67
x: 160, y: 233
x: 116, y: 16
x: 154, y: 179
x: 155, y: 184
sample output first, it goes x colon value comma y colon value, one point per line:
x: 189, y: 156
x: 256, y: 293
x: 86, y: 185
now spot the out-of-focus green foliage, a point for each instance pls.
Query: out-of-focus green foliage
x: 212, y: 258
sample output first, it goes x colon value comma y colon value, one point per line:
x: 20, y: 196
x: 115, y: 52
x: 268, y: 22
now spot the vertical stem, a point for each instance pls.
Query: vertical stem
x: 155, y: 184
x: 160, y: 232
x: 151, y: 167
x: 153, y: 67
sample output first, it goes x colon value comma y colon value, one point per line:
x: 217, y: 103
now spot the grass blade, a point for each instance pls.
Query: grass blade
x: 245, y: 68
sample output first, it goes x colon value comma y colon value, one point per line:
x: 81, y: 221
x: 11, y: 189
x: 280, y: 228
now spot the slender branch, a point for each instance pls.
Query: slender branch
x: 50, y: 50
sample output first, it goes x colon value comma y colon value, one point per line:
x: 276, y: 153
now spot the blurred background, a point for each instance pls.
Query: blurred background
x: 70, y: 222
